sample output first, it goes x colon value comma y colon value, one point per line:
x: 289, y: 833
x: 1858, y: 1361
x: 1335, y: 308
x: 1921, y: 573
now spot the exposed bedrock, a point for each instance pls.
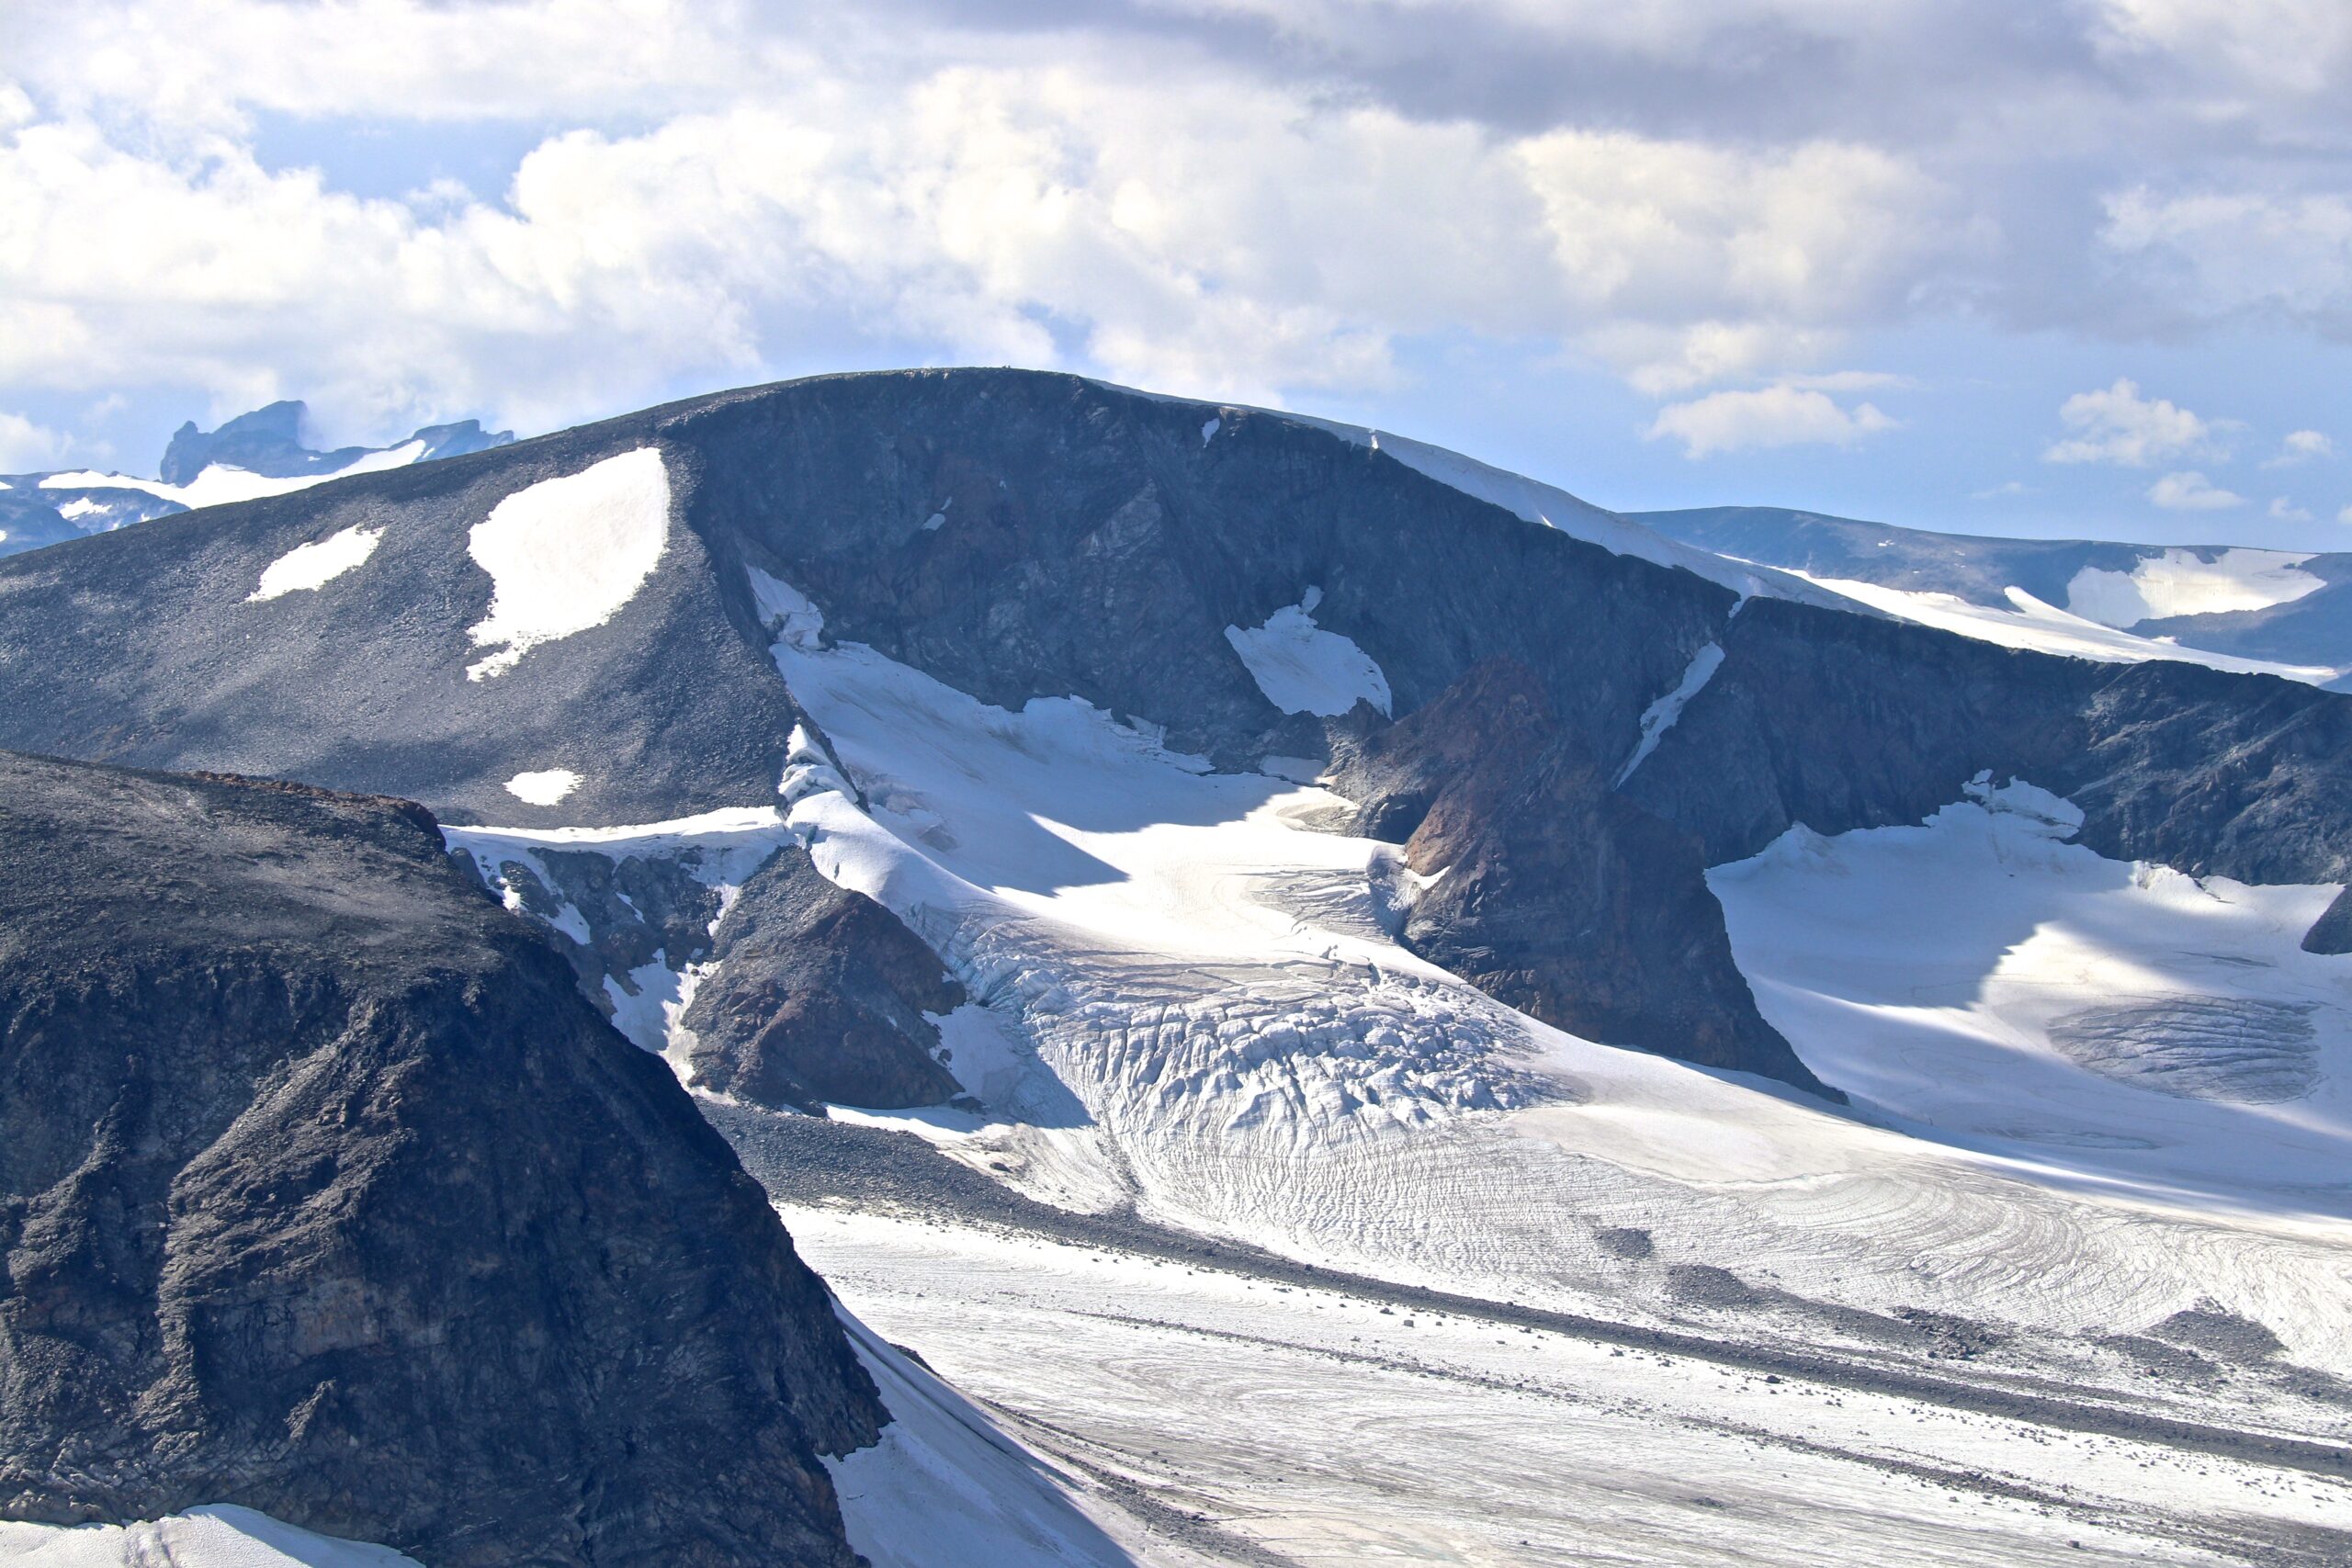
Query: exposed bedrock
x: 323, y: 1191
x: 2332, y: 932
x: 1020, y: 535
x: 1553, y: 893
x: 819, y: 995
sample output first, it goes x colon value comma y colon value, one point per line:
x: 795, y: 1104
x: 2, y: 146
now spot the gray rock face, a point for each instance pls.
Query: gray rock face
x: 1558, y: 895
x: 819, y: 995
x: 323, y: 1191
x: 1020, y: 535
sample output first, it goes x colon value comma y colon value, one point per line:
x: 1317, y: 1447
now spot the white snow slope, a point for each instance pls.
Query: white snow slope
x: 2043, y: 628
x: 216, y: 1536
x: 566, y: 553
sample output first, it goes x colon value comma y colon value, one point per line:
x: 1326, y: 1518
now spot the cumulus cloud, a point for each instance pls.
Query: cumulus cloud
x: 1253, y: 198
x: 26, y: 447
x: 2191, y: 492
x: 2302, y: 447
x: 2118, y: 425
x: 2284, y: 509
x: 1766, y: 417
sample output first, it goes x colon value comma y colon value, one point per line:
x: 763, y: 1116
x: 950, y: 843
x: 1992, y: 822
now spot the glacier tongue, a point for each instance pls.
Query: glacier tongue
x: 1223, y: 1036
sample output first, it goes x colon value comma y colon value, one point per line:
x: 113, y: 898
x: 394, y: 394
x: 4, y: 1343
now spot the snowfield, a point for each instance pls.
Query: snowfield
x: 313, y: 566
x: 1301, y: 668
x: 2182, y: 582
x: 2041, y: 628
x: 1298, y: 1424
x: 2125, y: 1024
x: 566, y: 553
x: 219, y: 484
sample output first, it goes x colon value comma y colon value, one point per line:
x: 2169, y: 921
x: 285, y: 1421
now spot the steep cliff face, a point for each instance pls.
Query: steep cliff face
x: 818, y: 994
x: 1543, y: 888
x: 323, y: 1191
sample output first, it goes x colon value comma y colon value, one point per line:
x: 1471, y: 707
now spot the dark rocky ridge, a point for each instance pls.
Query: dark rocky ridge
x: 1559, y: 895
x: 1095, y: 544
x: 819, y: 995
x: 323, y: 1191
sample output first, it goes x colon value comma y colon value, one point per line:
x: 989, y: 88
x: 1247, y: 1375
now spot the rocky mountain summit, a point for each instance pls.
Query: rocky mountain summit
x: 323, y: 1191
x: 1251, y: 585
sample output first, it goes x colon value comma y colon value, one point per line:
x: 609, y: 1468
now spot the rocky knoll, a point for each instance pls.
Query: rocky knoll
x: 323, y: 1191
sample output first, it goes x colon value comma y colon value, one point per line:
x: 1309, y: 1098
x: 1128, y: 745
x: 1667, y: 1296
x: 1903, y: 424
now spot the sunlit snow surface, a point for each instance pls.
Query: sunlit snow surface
x: 566, y: 553
x: 314, y: 565
x: 2183, y: 583
x: 1327, y: 1426
x: 222, y: 483
x: 2030, y: 624
x: 1982, y: 976
x: 1187, y: 1004
x: 1301, y: 668
x: 945, y: 1488
x: 221, y: 1536
x: 1219, y: 1029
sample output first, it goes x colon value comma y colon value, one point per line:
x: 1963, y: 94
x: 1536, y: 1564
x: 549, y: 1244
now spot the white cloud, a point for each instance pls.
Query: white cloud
x: 2344, y: 515
x: 2302, y: 447
x: 2284, y: 509
x: 2191, y: 492
x: 1766, y: 417
x: 2005, y: 488
x: 26, y: 447
x: 2118, y: 425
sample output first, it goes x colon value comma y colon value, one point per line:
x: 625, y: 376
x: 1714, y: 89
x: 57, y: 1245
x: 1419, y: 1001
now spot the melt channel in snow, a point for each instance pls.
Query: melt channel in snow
x: 1301, y: 668
x: 316, y: 564
x: 566, y: 553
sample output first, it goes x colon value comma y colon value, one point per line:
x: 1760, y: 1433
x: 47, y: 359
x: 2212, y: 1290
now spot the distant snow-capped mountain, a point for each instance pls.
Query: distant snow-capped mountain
x: 2255, y: 611
x: 253, y: 454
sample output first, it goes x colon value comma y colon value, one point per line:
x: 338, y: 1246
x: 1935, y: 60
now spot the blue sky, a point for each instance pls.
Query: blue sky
x: 2072, y: 266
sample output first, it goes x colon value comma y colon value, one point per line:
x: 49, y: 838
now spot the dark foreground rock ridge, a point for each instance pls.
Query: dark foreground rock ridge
x: 323, y: 1191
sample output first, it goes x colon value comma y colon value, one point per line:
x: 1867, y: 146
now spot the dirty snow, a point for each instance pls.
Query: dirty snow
x: 1301, y: 668
x: 945, y: 1488
x: 2182, y: 582
x: 546, y: 787
x: 218, y: 1535
x: 2033, y: 625
x: 567, y: 554
x: 1324, y: 1425
x: 316, y: 564
x: 1659, y: 717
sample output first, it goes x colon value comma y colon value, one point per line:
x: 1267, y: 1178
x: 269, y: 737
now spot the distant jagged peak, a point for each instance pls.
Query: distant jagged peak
x: 269, y: 441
